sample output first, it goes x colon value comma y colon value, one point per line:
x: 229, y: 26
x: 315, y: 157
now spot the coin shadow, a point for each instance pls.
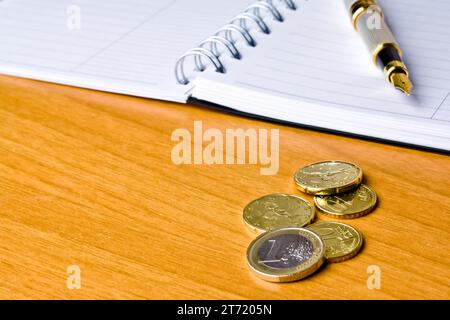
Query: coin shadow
x: 320, y: 269
x: 363, y: 246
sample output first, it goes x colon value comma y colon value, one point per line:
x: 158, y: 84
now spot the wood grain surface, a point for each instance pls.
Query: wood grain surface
x: 86, y: 179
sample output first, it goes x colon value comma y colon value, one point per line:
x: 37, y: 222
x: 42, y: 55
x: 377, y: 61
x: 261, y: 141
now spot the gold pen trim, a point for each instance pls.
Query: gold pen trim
x: 395, y: 66
x: 397, y: 74
x: 382, y: 46
x: 360, y: 7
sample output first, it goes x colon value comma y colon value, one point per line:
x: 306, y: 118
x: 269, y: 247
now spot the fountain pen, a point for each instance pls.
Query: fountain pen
x: 368, y: 20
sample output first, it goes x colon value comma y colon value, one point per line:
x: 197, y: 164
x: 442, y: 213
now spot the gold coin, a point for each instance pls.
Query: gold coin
x: 277, y: 211
x: 348, y: 205
x: 286, y: 255
x: 342, y: 242
x: 328, y: 177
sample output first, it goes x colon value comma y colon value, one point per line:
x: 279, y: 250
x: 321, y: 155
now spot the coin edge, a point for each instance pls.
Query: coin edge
x: 257, y: 230
x: 348, y: 216
x: 350, y: 255
x: 291, y: 277
x: 329, y: 191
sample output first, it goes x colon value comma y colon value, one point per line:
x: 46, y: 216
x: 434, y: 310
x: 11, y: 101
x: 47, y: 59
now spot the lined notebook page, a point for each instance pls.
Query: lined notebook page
x: 127, y: 46
x: 315, y: 58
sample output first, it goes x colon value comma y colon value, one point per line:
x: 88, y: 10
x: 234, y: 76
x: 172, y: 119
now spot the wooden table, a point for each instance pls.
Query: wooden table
x: 86, y: 179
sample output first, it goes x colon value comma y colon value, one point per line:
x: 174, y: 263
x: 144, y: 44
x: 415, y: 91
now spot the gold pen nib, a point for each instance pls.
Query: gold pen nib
x: 401, y: 82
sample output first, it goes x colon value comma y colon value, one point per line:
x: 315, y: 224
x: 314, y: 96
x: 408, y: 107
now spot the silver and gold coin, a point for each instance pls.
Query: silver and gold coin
x: 286, y: 255
x: 277, y: 211
x: 328, y: 177
x: 348, y: 205
x: 342, y: 242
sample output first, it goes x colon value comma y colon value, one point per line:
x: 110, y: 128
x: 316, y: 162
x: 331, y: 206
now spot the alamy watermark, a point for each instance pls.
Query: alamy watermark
x: 374, y: 19
x: 231, y: 146
x: 374, y: 280
x: 73, y: 281
x: 73, y: 21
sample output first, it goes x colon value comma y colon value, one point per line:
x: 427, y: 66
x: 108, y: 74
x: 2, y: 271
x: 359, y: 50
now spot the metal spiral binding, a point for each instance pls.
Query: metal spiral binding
x: 224, y: 37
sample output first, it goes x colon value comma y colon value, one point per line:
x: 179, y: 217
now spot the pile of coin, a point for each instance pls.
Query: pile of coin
x: 291, y: 245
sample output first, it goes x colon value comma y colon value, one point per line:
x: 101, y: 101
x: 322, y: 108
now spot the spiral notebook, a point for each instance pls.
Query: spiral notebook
x: 296, y: 61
